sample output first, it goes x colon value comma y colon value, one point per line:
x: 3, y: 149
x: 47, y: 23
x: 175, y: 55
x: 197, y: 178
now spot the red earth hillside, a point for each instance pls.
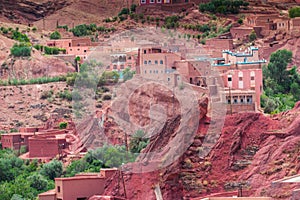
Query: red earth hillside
x: 252, y: 151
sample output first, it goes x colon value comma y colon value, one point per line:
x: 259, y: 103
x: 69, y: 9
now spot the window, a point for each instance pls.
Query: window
x: 161, y: 62
x: 158, y: 1
x: 129, y: 57
x: 240, y: 78
x: 149, y: 62
x: 145, y: 62
x: 252, y: 78
x: 58, y: 188
x: 156, y: 62
x: 168, y: 79
x: 145, y: 71
x: 145, y: 51
x: 152, y: 1
x: 229, y: 78
x: 150, y: 71
x: 115, y: 67
x: 84, y: 51
x: 122, y: 66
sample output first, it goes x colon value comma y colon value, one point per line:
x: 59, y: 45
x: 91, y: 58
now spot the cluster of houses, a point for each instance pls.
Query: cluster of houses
x: 46, y: 142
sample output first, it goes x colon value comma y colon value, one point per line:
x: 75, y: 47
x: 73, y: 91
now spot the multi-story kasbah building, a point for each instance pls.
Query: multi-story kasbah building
x: 243, y: 79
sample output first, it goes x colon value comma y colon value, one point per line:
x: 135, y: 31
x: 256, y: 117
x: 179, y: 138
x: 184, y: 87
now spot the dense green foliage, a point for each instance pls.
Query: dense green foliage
x: 223, y: 6
x: 138, y: 141
x: 21, y: 50
x: 52, y: 169
x: 281, y: 86
x: 19, y: 179
x: 55, y: 35
x: 104, y: 157
x: 294, y: 12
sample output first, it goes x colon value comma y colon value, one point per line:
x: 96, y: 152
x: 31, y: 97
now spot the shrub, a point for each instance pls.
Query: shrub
x: 34, y: 29
x: 19, y: 50
x: 55, y: 35
x: 51, y: 50
x: 16, y: 35
x: 124, y: 11
x: 133, y: 7
x: 138, y: 141
x: 252, y: 36
x: 63, y: 125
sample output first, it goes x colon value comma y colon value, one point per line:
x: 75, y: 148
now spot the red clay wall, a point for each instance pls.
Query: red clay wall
x: 43, y: 147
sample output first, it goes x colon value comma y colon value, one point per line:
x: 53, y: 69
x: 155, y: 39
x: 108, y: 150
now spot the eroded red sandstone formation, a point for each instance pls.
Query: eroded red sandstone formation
x: 253, y: 151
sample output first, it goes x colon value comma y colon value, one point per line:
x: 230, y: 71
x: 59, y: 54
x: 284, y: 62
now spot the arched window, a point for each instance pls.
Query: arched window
x: 161, y: 62
x: 145, y: 62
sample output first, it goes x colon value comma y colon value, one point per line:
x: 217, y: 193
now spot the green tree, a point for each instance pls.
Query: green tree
x: 20, y: 50
x: 277, y: 69
x: 55, y: 35
x: 52, y: 169
x: 294, y: 12
x: 37, y: 181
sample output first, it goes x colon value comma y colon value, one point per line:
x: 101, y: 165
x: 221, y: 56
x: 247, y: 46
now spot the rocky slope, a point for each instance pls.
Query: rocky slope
x: 252, y: 151
x: 27, y: 11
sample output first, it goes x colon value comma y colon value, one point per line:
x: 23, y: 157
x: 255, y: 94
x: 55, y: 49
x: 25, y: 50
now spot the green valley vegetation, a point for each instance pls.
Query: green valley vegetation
x: 105, y: 157
x: 294, y: 12
x: 281, y: 86
x: 224, y: 6
x: 25, y: 179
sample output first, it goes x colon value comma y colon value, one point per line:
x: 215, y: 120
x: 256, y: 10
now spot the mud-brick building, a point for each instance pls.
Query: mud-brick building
x: 15, y: 140
x: 46, y: 146
x: 80, y: 187
x: 80, y: 47
x: 242, y: 77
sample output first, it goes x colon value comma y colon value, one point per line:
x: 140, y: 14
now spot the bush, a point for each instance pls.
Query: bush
x: 63, y: 125
x: 20, y: 50
x: 55, y: 35
x: 16, y: 35
x: 294, y: 12
x: 252, y: 36
x: 138, y: 142
x: 133, y: 7
x: 51, y: 50
x: 124, y: 11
